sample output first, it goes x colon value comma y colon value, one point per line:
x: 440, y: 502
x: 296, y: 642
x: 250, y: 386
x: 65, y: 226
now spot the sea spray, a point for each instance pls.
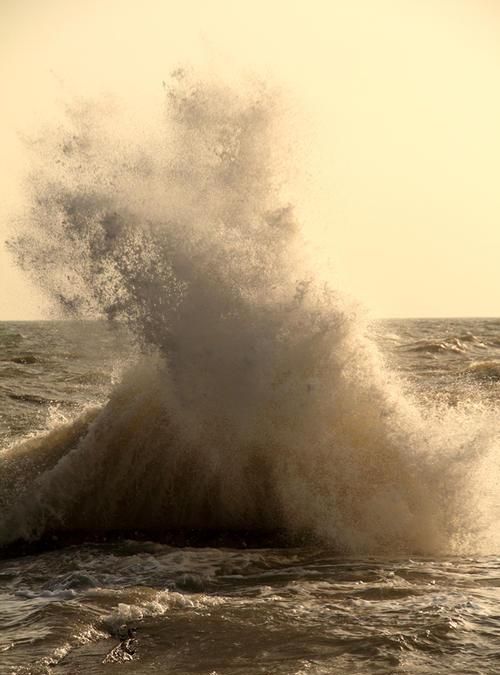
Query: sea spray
x: 258, y: 402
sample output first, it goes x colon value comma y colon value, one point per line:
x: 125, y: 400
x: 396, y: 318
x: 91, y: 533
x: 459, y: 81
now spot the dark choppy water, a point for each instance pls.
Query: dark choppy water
x: 221, y: 610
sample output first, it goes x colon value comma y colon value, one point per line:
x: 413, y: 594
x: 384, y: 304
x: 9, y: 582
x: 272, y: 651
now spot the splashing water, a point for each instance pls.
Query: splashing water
x: 257, y: 403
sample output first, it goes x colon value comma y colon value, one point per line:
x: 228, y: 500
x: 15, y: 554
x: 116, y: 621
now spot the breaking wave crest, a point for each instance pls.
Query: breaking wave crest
x: 258, y: 403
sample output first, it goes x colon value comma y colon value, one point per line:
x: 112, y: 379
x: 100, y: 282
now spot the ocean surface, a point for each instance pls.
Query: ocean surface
x: 89, y: 584
x: 231, y: 473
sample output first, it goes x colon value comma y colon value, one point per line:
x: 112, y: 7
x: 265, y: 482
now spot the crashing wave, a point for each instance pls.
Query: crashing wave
x: 258, y: 403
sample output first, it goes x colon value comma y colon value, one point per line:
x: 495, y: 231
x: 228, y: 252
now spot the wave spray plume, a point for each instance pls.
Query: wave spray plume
x: 257, y: 403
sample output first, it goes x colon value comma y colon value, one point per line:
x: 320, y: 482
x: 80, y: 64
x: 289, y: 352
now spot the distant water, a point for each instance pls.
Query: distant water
x: 308, y: 608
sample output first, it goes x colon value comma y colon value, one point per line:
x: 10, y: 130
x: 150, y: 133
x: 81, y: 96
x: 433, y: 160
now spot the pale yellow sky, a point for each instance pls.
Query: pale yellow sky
x: 401, y: 98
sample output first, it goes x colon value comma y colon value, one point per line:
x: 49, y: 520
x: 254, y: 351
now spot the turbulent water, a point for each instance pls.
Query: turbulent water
x: 233, y: 606
x: 215, y: 466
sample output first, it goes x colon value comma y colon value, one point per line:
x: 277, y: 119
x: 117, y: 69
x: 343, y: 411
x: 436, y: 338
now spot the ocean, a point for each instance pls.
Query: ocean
x: 214, y: 464
x: 225, y: 602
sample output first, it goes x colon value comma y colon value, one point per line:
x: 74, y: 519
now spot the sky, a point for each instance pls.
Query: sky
x: 396, y: 108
